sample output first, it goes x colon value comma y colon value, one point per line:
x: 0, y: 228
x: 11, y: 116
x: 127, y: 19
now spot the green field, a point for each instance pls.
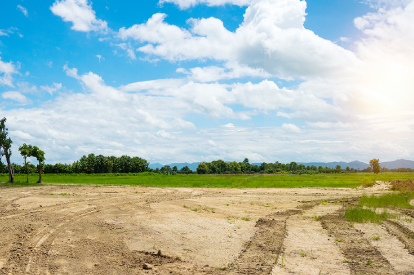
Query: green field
x: 212, y: 181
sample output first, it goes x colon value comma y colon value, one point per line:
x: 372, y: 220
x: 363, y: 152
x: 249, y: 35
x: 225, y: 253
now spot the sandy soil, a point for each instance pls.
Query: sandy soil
x: 136, y: 230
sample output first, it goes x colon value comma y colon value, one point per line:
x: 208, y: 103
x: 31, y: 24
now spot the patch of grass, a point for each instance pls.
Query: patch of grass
x: 212, y: 181
x: 303, y: 254
x: 376, y: 238
x: 361, y: 215
x: 399, y: 200
x: 317, y: 217
x: 339, y: 240
x: 17, y: 183
x: 245, y: 218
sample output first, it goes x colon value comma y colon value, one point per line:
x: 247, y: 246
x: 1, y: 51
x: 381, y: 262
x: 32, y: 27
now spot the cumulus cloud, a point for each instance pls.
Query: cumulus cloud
x: 231, y: 70
x: 23, y: 10
x: 6, y: 71
x: 271, y: 39
x: 80, y: 14
x: 291, y: 128
x: 185, y: 4
x: 16, y: 96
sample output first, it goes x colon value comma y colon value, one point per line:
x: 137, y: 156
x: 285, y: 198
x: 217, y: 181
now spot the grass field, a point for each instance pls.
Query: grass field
x: 213, y: 181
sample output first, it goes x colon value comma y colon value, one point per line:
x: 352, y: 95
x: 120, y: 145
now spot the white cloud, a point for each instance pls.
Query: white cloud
x: 166, y: 135
x: 25, y: 87
x: 99, y: 57
x: 149, y: 119
x: 16, y: 96
x: 71, y: 72
x: 283, y: 114
x: 7, y: 69
x: 271, y: 39
x: 230, y: 70
x: 23, y: 10
x: 10, y: 30
x: 212, y: 143
x: 331, y: 125
x: 21, y: 135
x: 80, y: 14
x: 54, y: 88
x: 291, y: 128
x: 378, y: 4
x: 50, y: 64
x: 185, y: 4
x: 127, y: 47
x: 160, y: 84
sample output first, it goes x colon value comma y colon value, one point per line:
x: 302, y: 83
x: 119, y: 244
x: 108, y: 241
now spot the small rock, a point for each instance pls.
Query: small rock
x: 147, y: 266
x: 159, y: 253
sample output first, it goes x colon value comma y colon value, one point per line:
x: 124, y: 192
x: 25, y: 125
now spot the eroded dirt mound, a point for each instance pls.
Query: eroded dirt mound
x: 403, y: 185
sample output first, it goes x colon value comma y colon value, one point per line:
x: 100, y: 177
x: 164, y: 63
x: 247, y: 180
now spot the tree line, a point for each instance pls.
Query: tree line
x: 244, y: 167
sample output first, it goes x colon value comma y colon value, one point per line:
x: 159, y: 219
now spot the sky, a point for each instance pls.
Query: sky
x: 201, y: 80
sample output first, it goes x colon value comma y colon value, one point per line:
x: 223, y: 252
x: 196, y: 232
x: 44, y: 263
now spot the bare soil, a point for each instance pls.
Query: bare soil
x: 136, y: 230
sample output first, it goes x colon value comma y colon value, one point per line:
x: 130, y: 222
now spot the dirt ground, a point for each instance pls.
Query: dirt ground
x: 136, y: 230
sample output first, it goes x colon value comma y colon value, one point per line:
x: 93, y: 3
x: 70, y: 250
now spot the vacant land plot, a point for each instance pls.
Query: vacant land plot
x: 88, y: 229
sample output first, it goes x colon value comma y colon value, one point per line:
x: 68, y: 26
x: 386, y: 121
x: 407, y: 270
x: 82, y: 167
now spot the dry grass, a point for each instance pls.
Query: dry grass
x: 403, y: 185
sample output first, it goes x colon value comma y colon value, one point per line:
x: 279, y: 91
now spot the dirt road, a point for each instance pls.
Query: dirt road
x: 136, y: 230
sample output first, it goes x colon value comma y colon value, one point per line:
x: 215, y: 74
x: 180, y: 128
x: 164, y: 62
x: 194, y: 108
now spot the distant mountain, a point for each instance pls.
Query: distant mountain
x: 353, y: 164
x: 155, y: 165
x: 399, y: 163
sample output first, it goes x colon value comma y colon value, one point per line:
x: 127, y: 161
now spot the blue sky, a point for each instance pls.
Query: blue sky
x: 198, y: 80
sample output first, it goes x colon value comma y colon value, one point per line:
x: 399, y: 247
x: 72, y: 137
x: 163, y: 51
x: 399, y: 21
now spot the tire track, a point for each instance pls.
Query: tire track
x: 405, y: 235
x: 30, y: 253
x: 307, y: 247
x: 41, y: 250
x: 263, y: 250
x: 361, y: 256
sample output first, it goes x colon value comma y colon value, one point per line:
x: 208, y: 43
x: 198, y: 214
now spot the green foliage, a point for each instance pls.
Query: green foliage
x: 26, y: 151
x: 202, y: 168
x: 358, y: 214
x: 92, y: 164
x: 219, y: 181
x: 375, y: 165
x: 5, y: 145
x: 38, y: 154
x: 400, y: 200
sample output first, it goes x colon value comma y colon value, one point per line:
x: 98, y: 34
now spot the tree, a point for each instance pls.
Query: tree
x: 5, y: 144
x: 375, y: 165
x: 338, y: 168
x: 186, y: 170
x: 26, y: 151
x: 202, y: 168
x: 347, y: 169
x: 40, y: 156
